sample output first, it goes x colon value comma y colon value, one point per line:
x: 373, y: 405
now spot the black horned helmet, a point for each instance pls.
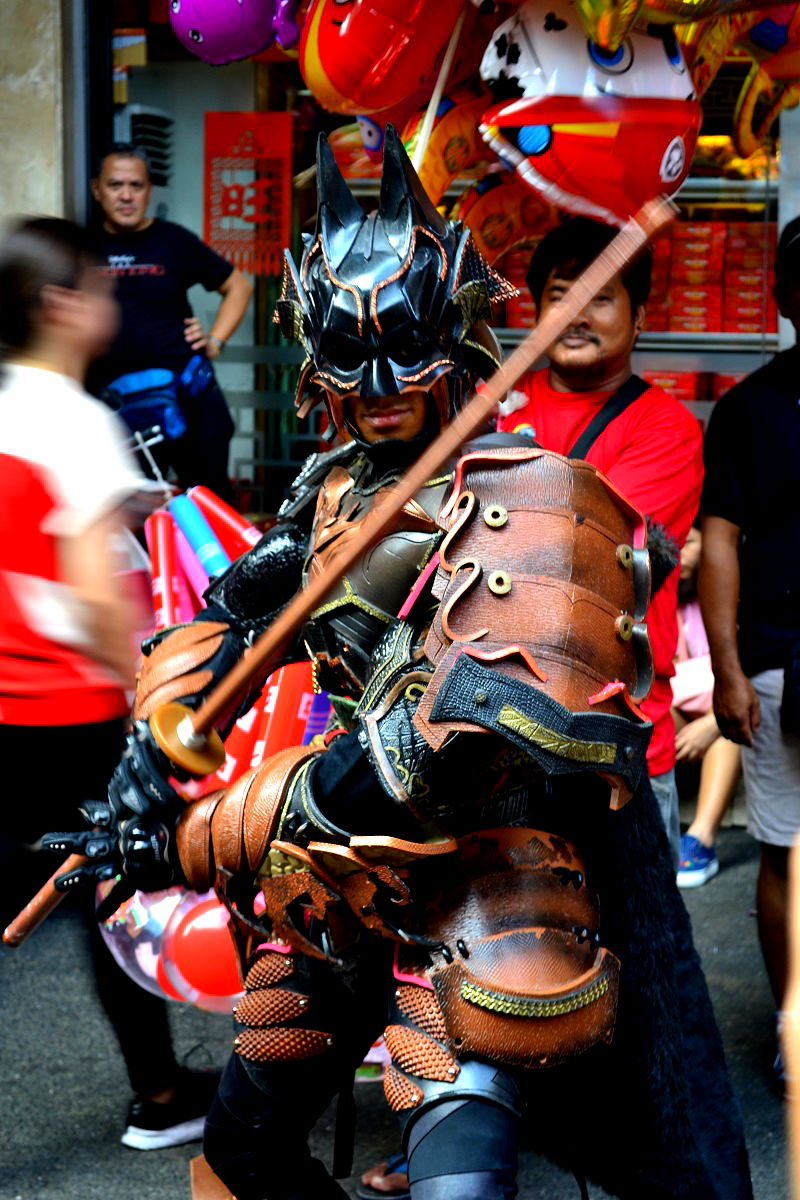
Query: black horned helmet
x: 387, y: 301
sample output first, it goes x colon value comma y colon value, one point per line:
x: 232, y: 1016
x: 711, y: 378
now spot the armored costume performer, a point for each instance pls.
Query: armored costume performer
x: 474, y: 861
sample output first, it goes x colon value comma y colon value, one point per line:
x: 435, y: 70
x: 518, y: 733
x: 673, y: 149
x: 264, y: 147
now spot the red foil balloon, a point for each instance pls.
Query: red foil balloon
x: 364, y: 56
x: 595, y: 132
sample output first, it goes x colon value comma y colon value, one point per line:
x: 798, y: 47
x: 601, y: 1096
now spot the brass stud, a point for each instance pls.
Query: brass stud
x: 495, y: 516
x: 499, y: 582
x: 625, y: 556
x: 624, y: 627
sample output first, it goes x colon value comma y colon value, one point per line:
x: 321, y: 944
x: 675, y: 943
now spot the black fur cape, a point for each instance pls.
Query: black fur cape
x: 652, y: 1116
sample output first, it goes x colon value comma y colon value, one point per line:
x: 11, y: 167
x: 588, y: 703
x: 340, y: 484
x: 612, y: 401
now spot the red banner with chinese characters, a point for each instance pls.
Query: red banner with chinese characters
x: 248, y: 188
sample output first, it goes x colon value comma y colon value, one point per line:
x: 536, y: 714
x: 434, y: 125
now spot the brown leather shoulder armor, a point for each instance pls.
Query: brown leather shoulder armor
x: 543, y: 582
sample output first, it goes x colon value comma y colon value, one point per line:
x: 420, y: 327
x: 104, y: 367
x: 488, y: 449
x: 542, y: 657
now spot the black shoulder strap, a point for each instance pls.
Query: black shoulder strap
x: 631, y: 390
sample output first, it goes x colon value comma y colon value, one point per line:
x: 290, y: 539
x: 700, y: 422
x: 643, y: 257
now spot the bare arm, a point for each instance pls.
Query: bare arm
x: 88, y: 565
x: 735, y: 702
x: 236, y: 292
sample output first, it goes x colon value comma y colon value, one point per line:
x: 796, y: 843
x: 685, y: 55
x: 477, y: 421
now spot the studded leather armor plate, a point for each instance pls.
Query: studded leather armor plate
x: 342, y: 634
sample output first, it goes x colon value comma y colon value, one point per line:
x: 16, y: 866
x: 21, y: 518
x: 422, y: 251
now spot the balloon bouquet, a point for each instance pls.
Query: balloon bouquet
x: 175, y: 943
x: 584, y: 106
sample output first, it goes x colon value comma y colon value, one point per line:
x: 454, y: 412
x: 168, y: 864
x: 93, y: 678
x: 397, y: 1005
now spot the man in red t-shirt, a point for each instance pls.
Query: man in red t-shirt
x: 651, y: 449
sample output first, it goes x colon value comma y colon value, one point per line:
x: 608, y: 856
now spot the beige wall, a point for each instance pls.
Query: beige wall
x: 30, y: 108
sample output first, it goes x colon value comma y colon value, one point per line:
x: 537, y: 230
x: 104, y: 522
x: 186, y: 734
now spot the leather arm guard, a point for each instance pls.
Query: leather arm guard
x: 538, y: 640
x: 540, y: 634
x: 267, y: 832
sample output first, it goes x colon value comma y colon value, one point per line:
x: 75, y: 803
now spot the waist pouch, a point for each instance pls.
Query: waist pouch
x: 147, y: 398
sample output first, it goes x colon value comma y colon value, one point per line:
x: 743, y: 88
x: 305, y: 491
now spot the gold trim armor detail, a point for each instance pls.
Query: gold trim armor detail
x: 518, y: 1006
x: 554, y: 742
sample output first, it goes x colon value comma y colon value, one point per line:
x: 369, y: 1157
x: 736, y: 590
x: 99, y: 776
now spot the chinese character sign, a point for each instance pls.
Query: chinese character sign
x: 248, y: 192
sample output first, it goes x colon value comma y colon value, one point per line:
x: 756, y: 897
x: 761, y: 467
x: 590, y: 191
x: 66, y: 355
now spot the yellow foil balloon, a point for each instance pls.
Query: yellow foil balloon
x: 608, y: 24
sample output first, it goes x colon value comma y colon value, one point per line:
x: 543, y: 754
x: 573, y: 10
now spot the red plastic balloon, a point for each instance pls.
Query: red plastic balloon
x: 197, y: 954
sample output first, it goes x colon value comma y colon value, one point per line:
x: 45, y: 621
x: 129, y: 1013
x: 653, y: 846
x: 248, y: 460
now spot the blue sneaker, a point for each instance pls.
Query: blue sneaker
x: 698, y: 863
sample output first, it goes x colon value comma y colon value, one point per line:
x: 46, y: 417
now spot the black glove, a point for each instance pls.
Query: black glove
x: 133, y: 831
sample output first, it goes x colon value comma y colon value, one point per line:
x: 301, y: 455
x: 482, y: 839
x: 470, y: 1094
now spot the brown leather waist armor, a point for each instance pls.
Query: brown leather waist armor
x: 521, y: 977
x: 543, y: 583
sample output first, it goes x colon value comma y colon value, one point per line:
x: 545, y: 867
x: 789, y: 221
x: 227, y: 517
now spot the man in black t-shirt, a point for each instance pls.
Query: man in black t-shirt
x: 154, y: 263
x: 750, y: 595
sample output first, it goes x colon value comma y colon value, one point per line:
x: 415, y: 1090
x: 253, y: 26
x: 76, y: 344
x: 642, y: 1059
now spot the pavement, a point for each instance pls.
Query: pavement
x: 64, y: 1093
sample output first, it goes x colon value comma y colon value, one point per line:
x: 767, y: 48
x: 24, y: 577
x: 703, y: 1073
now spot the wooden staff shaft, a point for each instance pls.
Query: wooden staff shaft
x: 36, y: 910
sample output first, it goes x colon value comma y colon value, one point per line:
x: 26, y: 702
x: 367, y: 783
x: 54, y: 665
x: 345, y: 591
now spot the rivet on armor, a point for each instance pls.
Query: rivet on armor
x: 329, y: 1041
x: 481, y: 697
x: 630, y: 752
x: 451, y: 1071
x: 624, y: 627
x: 499, y: 582
x: 495, y: 515
x: 625, y: 556
x: 303, y: 1003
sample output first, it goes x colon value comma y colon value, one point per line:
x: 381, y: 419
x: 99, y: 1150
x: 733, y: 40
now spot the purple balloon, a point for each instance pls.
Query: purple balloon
x: 220, y: 31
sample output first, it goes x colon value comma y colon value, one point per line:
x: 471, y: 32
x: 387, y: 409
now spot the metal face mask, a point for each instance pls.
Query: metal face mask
x: 388, y: 301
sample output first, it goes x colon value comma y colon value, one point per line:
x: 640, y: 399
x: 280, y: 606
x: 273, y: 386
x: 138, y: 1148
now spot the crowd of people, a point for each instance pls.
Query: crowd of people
x: 347, y: 828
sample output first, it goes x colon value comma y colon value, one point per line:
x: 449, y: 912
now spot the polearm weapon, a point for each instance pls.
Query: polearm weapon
x: 187, y: 736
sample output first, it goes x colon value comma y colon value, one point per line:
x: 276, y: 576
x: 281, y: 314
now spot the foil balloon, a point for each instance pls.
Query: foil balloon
x: 221, y: 31
x: 504, y: 214
x: 198, y: 955
x: 134, y: 936
x: 372, y: 129
x: 594, y: 132
x: 772, y: 39
x: 364, y: 56
x: 609, y: 24
x: 455, y: 145
x: 706, y: 45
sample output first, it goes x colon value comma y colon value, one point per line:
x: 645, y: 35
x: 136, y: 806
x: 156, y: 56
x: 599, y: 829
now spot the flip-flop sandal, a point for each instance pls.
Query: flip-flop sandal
x: 396, y: 1164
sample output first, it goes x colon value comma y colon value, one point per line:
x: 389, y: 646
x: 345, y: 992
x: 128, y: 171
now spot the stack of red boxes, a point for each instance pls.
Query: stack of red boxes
x: 696, y: 261
x: 658, y: 302
x: 748, y: 305
x: 714, y: 276
x: 688, y: 386
x: 723, y: 382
